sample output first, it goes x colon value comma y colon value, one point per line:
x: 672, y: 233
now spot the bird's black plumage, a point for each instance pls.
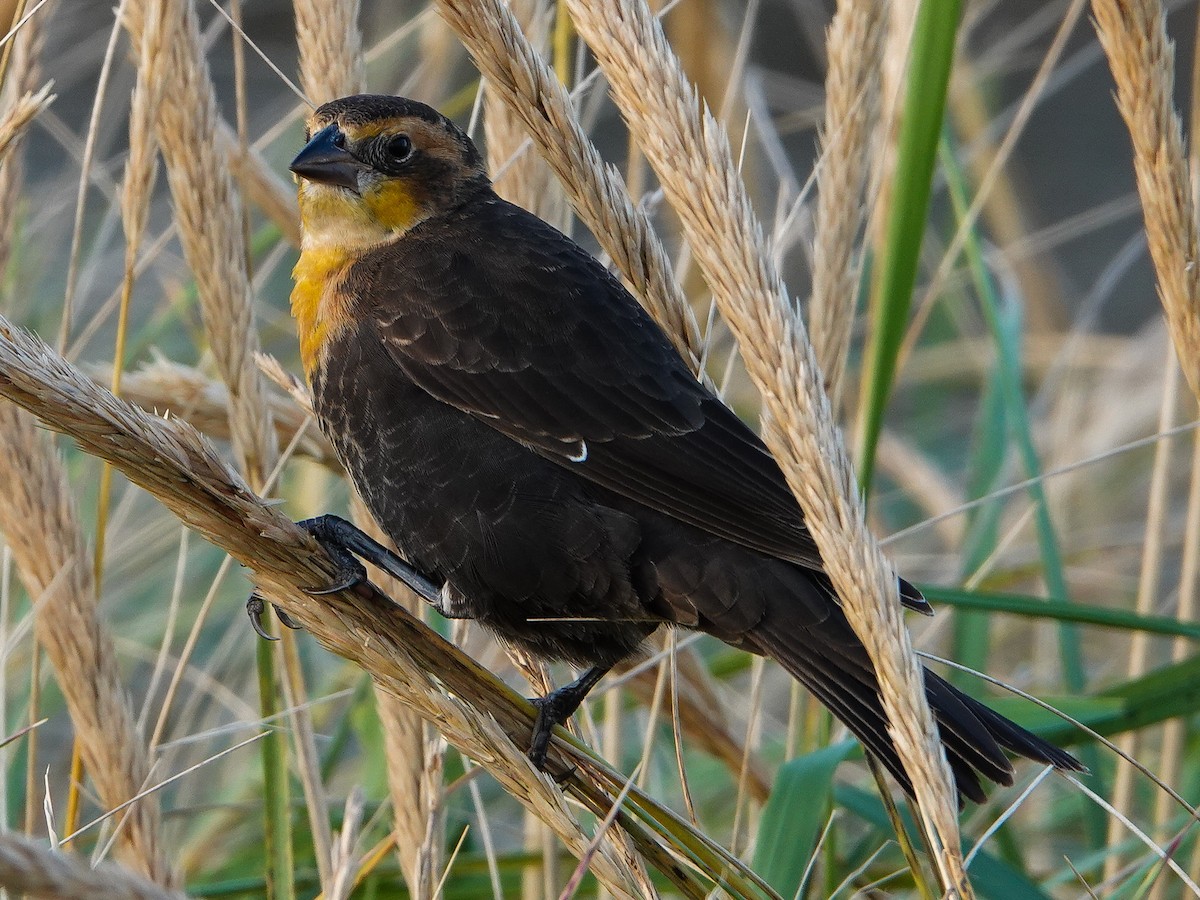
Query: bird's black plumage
x: 530, y: 440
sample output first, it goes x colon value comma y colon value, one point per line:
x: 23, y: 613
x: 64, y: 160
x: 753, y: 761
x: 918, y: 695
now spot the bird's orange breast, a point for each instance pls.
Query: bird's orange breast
x: 321, y: 308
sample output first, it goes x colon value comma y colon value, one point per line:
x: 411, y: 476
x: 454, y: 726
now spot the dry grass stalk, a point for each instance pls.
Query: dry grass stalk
x: 1133, y: 34
x: 518, y: 174
x: 260, y: 184
x: 1149, y: 577
x: 39, y: 521
x: 26, y: 866
x: 19, y: 78
x: 141, y: 165
x: 331, y: 60
x: 847, y: 152
x: 689, y: 151
x: 414, y: 756
x: 516, y: 72
x: 18, y: 116
x: 414, y: 760
x: 208, y: 215
x: 472, y: 709
x: 189, y: 394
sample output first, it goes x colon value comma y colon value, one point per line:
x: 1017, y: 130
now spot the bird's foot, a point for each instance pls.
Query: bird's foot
x: 256, y: 606
x: 345, y: 543
x: 555, y: 708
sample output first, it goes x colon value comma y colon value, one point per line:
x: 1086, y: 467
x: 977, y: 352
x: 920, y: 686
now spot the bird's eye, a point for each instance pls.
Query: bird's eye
x: 339, y: 139
x: 399, y: 148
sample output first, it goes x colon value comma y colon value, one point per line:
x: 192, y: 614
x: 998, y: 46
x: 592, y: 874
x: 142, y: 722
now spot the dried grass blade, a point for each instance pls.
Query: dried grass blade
x: 470, y: 706
x: 689, y: 151
x: 18, y: 116
x: 29, y: 867
x: 855, y: 45
x: 39, y: 520
x: 1133, y: 34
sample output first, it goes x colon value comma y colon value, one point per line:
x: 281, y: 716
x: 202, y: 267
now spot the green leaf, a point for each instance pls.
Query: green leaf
x: 929, y: 64
x: 794, y: 815
x: 1162, y: 694
x: 1060, y: 610
x: 992, y: 878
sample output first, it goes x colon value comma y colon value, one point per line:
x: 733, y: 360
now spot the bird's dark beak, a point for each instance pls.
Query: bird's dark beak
x: 324, y: 162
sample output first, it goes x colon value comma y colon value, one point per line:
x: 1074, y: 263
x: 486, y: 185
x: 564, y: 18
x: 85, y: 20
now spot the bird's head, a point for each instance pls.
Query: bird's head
x: 375, y: 166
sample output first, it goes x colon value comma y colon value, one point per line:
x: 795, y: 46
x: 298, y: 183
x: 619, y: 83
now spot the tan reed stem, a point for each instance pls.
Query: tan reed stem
x: 39, y: 520
x: 331, y: 60
x: 855, y: 44
x: 689, y: 151
x: 518, y: 174
x: 188, y: 393
x: 413, y: 754
x: 1149, y: 577
x: 19, y: 78
x: 260, y: 184
x: 18, y: 116
x: 1133, y: 34
x: 209, y: 216
x: 473, y: 709
x: 516, y: 72
x: 26, y: 866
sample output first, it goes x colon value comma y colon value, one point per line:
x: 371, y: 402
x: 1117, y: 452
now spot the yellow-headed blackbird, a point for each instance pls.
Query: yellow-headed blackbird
x: 543, y: 459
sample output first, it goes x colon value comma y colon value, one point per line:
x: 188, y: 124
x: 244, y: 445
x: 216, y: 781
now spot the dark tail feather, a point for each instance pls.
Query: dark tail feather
x: 838, y: 674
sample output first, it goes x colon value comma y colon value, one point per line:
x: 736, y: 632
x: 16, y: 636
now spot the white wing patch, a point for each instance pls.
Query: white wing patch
x: 581, y: 452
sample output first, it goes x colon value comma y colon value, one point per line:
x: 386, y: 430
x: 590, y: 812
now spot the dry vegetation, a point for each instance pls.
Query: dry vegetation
x: 155, y: 748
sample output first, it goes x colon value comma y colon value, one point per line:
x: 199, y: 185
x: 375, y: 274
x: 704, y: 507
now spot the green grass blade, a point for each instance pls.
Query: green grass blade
x: 930, y: 60
x: 276, y: 803
x: 1009, y: 368
x: 794, y: 815
x: 1059, y: 611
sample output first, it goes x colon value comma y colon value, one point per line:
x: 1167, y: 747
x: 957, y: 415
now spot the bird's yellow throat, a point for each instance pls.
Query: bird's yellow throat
x: 319, y: 307
x: 338, y: 226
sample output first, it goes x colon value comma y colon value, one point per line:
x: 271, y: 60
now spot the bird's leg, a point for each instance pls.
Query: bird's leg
x: 558, y: 706
x: 345, y: 542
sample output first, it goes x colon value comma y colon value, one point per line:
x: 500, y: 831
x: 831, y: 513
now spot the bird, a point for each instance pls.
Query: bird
x: 543, y: 460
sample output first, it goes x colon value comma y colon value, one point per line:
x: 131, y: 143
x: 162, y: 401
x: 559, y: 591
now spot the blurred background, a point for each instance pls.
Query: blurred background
x: 1068, y: 277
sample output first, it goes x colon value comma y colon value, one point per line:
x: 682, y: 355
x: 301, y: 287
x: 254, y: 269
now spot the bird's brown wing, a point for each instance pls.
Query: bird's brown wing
x: 520, y: 327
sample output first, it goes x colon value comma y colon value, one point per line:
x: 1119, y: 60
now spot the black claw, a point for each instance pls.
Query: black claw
x: 255, y: 607
x: 555, y: 708
x: 345, y: 542
x: 285, y: 620
x: 351, y: 573
x: 543, y: 730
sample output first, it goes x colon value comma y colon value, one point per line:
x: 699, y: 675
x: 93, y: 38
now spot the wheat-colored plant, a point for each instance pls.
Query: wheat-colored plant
x: 516, y: 72
x: 331, y: 61
x: 855, y: 43
x: 18, y: 116
x: 17, y: 81
x: 208, y: 214
x: 469, y: 706
x: 689, y: 151
x: 1133, y: 34
x: 30, y: 868
x: 203, y: 401
x: 40, y: 523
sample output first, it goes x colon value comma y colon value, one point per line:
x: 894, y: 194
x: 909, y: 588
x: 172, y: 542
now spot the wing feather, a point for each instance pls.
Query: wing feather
x: 549, y: 348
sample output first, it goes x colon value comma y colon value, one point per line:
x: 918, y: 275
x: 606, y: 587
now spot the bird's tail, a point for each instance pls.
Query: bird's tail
x: 829, y: 660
